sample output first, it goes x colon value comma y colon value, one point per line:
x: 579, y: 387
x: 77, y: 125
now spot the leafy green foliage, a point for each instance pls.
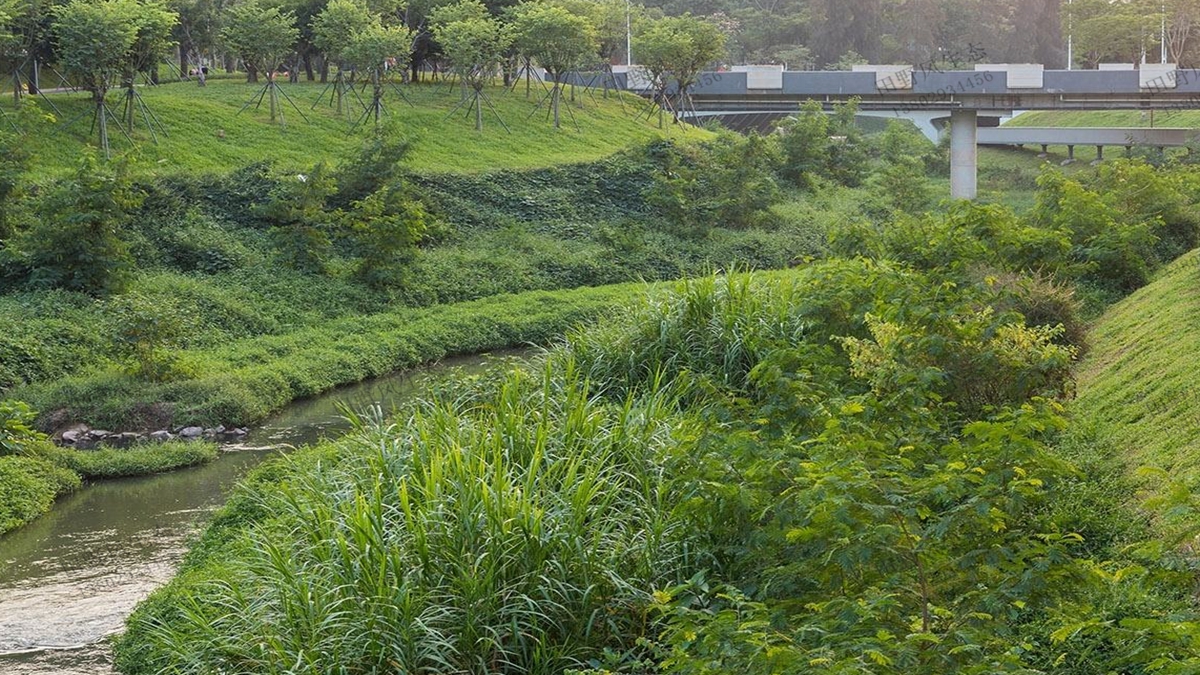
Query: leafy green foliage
x: 555, y: 39
x: 28, y: 486
x: 77, y: 242
x: 818, y: 146
x: 149, y: 330
x: 336, y: 26
x: 297, y: 210
x: 386, y: 228
x: 262, y: 35
x: 729, y: 182
x: 16, y: 427
x: 94, y: 40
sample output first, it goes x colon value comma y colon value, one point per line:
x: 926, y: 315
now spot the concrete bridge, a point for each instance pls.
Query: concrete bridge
x: 990, y: 90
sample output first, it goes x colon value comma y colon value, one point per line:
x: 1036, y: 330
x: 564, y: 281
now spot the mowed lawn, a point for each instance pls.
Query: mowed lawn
x: 209, y: 129
x: 1138, y: 382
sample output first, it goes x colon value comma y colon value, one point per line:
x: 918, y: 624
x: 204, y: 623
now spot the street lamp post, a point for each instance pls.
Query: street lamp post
x: 629, y: 32
x: 1070, y: 37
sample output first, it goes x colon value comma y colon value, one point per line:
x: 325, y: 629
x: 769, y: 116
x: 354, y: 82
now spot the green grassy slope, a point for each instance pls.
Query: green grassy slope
x: 205, y: 131
x: 1138, y: 384
x: 1108, y: 118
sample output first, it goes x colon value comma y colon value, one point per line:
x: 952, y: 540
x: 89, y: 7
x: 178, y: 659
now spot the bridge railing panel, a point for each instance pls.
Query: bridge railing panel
x: 960, y: 82
x: 1092, y: 82
x: 826, y: 83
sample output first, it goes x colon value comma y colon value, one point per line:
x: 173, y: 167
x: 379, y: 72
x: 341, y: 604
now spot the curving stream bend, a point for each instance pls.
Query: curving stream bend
x: 70, y: 578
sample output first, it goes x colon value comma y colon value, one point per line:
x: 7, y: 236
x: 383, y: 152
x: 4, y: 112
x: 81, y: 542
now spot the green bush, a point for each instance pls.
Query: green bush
x: 139, y: 460
x: 28, y: 486
x: 77, y: 241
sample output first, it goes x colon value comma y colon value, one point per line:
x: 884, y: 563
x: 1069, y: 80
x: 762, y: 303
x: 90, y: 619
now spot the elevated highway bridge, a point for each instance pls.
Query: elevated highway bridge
x: 962, y: 96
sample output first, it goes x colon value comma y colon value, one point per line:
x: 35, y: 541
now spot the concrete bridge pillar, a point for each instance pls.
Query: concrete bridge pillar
x: 963, y: 154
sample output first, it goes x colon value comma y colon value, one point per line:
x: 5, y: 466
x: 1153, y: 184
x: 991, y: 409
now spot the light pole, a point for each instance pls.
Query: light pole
x: 629, y: 32
x: 1163, y: 33
x: 1070, y: 37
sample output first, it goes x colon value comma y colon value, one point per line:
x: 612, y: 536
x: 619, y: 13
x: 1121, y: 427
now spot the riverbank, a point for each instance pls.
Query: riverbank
x: 72, y: 576
x: 245, y: 381
x: 32, y: 481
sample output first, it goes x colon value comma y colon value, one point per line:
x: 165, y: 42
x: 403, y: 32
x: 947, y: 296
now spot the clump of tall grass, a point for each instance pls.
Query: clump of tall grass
x: 518, y: 533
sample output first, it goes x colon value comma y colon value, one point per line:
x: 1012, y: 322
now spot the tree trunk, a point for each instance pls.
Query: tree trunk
x: 102, y: 122
x: 272, y: 95
x: 252, y: 74
x: 130, y: 92
x: 377, y: 98
x: 339, y: 89
x: 478, y: 110
x: 308, y: 67
x: 555, y: 95
x: 324, y: 70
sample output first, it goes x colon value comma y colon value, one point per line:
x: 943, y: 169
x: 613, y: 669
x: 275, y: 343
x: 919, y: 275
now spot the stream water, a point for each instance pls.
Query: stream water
x: 70, y: 578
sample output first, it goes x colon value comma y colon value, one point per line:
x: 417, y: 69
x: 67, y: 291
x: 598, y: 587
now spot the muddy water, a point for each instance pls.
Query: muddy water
x: 70, y: 578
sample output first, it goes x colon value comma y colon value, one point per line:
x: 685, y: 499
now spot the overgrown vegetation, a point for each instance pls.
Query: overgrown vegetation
x: 34, y: 472
x: 846, y: 468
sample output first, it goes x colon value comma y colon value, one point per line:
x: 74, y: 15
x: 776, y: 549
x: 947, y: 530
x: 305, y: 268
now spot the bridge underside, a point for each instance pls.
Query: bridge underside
x: 754, y: 99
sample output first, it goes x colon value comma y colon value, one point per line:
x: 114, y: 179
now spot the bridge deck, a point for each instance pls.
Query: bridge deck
x: 981, y: 90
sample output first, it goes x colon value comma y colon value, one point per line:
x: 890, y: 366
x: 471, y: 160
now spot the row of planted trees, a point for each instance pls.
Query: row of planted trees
x: 101, y: 45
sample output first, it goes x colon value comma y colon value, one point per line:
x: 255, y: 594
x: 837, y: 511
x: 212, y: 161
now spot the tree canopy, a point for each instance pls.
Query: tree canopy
x: 262, y: 35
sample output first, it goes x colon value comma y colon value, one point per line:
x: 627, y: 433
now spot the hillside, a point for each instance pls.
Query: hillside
x: 206, y: 129
x: 1138, y: 383
x: 1110, y: 118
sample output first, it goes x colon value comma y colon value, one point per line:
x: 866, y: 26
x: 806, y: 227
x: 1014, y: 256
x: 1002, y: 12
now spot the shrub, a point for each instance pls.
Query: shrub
x: 17, y: 433
x: 297, y: 210
x: 727, y: 183
x: 819, y: 146
x: 28, y: 486
x: 77, y: 242
x: 139, y: 460
x: 386, y: 227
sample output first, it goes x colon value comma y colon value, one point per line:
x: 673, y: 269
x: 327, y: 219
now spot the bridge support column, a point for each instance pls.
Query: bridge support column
x: 964, y: 154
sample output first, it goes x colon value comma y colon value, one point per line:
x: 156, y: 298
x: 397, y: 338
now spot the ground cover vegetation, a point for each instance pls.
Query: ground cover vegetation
x: 134, y: 301
x: 34, y: 472
x: 859, y: 465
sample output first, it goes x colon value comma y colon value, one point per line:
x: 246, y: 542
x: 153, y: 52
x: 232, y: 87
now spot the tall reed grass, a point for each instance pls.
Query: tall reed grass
x: 523, y: 535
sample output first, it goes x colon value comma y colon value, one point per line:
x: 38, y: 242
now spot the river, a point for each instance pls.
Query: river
x: 70, y: 578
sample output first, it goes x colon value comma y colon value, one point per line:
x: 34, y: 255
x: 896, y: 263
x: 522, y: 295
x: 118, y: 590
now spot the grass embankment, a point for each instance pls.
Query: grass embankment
x: 245, y: 381
x: 210, y: 267
x: 1138, y: 384
x: 1188, y: 119
x: 206, y: 133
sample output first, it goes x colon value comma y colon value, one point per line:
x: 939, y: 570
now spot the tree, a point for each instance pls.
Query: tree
x: 1182, y: 19
x: 674, y: 50
x: 333, y: 30
x: 94, y: 42
x: 263, y: 37
x: 371, y: 49
x: 386, y: 227
x: 154, y: 23
x: 298, y: 212
x: 475, y: 43
x: 559, y: 41
x: 198, y: 31
x: 1109, y: 31
x: 76, y: 243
